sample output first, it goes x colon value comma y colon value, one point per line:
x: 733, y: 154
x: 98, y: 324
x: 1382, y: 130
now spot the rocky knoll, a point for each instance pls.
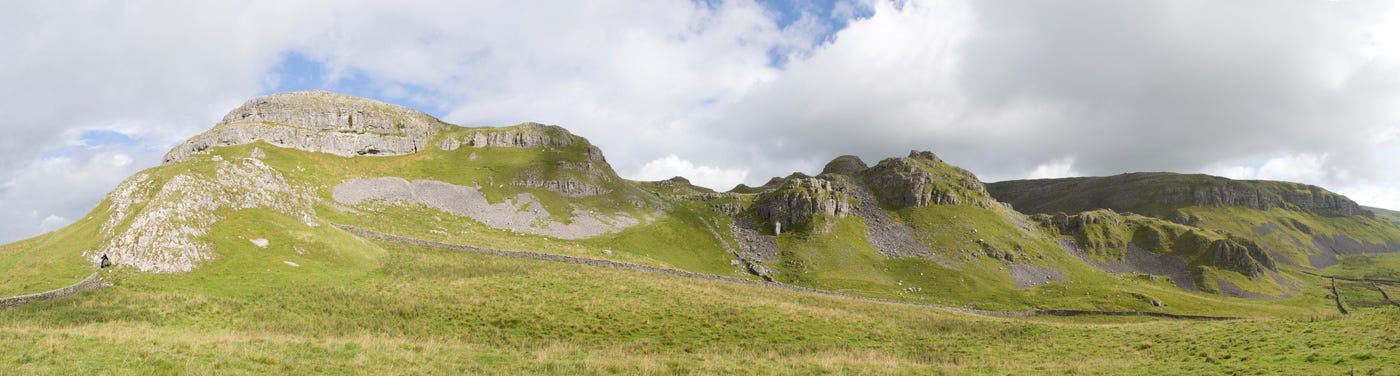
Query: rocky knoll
x: 800, y: 198
x: 318, y: 121
x: 524, y: 135
x: 158, y: 226
x: 1161, y: 246
x: 1240, y: 255
x: 922, y: 179
x: 1157, y: 193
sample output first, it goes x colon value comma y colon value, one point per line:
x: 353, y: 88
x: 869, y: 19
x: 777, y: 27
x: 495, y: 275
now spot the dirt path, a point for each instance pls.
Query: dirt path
x: 674, y: 272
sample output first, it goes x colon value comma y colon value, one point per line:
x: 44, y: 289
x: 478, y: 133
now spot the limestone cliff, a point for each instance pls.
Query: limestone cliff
x: 922, y: 179
x: 318, y: 121
x: 799, y: 199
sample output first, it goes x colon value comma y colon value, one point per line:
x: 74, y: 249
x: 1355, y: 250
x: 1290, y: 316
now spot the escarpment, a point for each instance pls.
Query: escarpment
x: 1158, y: 193
x: 318, y: 121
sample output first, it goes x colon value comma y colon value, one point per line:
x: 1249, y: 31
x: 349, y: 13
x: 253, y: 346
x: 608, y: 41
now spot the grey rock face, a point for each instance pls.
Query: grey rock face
x: 1240, y: 255
x: 799, y: 199
x: 318, y: 121
x: 450, y: 144
x: 923, y: 180
x: 159, y: 226
x: 1071, y: 224
x: 567, y: 187
x: 527, y: 135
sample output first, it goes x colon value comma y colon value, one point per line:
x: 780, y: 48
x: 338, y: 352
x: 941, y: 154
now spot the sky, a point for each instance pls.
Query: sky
x: 727, y: 92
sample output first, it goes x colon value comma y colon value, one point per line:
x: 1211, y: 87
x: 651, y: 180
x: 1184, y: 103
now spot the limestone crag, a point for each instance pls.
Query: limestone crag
x: 1240, y: 255
x: 568, y: 187
x: 321, y: 122
x: 164, y: 235
x: 800, y: 198
x: 572, y: 179
x: 1077, y: 223
x: 923, y: 180
x: 527, y: 135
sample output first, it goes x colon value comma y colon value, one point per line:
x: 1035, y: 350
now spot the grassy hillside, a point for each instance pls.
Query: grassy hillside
x: 1386, y: 214
x: 282, y: 290
x: 369, y: 307
x: 1298, y: 224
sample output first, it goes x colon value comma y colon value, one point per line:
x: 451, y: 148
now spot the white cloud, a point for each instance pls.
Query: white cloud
x: 1308, y: 90
x: 711, y: 177
x: 1299, y: 167
x: 49, y: 193
x: 1059, y: 168
x: 53, y: 222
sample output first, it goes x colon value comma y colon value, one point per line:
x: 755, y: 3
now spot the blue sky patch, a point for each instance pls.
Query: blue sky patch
x: 104, y: 137
x: 297, y: 71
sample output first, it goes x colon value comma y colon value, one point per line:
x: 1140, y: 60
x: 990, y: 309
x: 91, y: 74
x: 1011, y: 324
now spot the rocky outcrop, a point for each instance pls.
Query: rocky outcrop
x: 1158, y: 193
x: 567, y: 187
x: 1240, y: 255
x: 923, y: 180
x: 801, y: 198
x: 164, y: 235
x: 318, y: 121
x: 526, y: 135
x: 571, y: 179
x: 1077, y: 223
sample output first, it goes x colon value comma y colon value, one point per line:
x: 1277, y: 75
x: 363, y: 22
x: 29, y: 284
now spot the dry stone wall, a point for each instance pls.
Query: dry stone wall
x: 92, y: 282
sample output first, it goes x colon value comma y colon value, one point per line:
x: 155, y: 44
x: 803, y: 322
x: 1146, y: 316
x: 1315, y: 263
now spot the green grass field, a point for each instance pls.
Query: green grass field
x: 356, y: 306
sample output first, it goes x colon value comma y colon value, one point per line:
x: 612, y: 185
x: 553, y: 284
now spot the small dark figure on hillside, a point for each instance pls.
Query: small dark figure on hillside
x: 105, y: 261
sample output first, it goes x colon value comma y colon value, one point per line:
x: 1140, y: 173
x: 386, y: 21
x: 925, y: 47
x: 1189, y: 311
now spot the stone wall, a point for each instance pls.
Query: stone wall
x: 91, y: 283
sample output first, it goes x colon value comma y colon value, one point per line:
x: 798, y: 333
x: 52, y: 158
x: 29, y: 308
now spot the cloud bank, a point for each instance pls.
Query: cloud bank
x: 730, y: 91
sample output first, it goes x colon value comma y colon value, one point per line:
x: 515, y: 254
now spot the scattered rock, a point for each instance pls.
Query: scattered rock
x: 292, y: 264
x: 260, y: 242
x: 523, y: 213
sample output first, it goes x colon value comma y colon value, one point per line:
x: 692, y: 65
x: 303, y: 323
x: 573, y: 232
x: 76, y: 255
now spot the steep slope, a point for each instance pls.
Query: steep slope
x: 1295, y: 223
